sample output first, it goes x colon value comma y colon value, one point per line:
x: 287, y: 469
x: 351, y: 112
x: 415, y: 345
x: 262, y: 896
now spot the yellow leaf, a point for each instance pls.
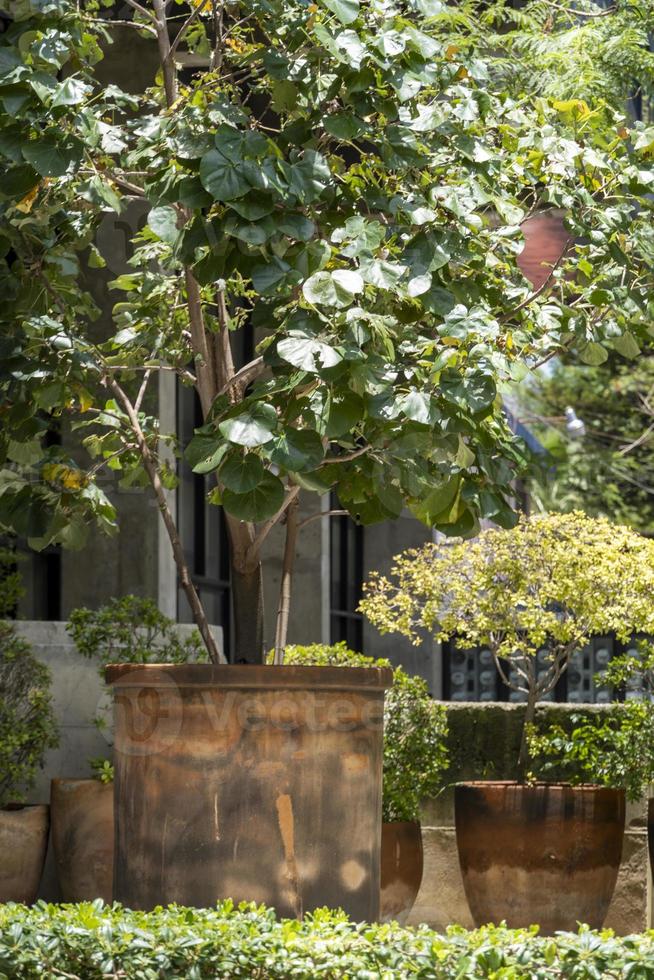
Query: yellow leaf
x: 71, y: 479
x: 85, y: 399
x: 451, y: 51
x: 25, y: 205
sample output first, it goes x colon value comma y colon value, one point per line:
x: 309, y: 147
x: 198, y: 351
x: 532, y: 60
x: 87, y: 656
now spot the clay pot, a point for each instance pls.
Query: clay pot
x: 401, y: 869
x: 248, y: 782
x: 23, y: 845
x: 546, y: 240
x: 650, y: 832
x: 83, y: 838
x: 541, y: 854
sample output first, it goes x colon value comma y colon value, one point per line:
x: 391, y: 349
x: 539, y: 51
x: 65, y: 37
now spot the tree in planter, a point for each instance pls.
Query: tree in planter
x: 415, y: 730
x: 545, y: 587
x: 341, y: 176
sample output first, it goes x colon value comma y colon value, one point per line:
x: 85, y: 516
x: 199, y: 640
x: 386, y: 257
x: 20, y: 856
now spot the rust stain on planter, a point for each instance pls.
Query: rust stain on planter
x: 83, y: 838
x: 541, y: 854
x: 287, y: 830
x: 23, y: 844
x: 232, y: 785
x: 401, y: 869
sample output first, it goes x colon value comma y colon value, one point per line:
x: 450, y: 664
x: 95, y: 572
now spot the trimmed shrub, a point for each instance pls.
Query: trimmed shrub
x: 96, y: 942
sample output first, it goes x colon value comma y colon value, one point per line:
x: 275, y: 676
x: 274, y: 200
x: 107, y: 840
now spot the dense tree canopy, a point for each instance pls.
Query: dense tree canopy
x: 350, y: 180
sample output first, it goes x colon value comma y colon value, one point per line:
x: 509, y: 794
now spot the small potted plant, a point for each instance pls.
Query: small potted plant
x: 131, y: 630
x: 27, y: 730
x: 415, y: 757
x: 533, y: 595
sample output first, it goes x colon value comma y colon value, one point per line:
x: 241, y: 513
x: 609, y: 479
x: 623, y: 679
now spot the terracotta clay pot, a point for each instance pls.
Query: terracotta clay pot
x: 541, y: 854
x: 247, y: 782
x: 83, y: 838
x: 23, y: 845
x: 401, y: 869
x: 546, y: 240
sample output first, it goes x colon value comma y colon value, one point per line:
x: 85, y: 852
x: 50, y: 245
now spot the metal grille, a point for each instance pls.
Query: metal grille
x: 470, y: 675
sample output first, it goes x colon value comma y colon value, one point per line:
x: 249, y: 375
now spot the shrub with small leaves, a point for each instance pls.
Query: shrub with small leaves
x: 96, y: 942
x: 27, y: 722
x: 131, y: 630
x: 612, y: 749
x: 415, y: 730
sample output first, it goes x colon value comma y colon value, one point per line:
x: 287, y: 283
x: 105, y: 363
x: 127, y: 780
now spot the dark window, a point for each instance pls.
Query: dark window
x: 346, y: 562
x: 202, y: 529
x: 470, y: 675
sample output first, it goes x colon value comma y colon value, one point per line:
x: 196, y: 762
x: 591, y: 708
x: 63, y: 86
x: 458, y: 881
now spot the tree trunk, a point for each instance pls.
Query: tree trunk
x: 247, y: 608
x: 283, y: 609
x: 530, y: 714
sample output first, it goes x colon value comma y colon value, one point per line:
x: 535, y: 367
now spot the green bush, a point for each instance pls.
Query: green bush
x: 128, y: 630
x: 93, y: 942
x: 415, y: 729
x: 27, y: 723
x: 131, y: 630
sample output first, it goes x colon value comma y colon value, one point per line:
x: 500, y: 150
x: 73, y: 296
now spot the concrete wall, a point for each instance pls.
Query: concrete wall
x: 483, y: 742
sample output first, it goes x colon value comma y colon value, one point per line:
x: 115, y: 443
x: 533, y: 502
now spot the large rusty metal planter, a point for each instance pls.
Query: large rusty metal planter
x: 82, y: 813
x: 254, y: 783
x: 23, y: 845
x: 401, y: 869
x: 539, y: 854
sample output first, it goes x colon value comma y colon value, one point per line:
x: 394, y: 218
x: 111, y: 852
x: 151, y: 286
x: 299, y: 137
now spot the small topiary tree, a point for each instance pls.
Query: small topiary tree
x: 552, y: 582
x: 415, y: 730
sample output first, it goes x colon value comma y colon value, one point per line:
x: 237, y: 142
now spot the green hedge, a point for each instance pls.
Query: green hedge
x: 91, y: 941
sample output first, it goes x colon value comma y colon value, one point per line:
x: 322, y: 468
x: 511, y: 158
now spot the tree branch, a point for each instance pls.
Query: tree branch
x: 245, y: 375
x: 346, y: 457
x: 142, y: 10
x: 185, y: 26
x: 163, y: 41
x: 223, y: 350
x: 152, y: 470
x: 326, y: 513
x: 281, y: 632
x: 260, y: 537
x: 206, y: 378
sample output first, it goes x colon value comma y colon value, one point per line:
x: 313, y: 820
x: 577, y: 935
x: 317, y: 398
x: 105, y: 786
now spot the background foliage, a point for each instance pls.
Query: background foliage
x: 610, y: 470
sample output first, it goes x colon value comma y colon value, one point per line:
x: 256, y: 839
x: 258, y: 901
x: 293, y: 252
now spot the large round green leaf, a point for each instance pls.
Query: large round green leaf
x: 221, y: 177
x: 257, y: 504
x: 298, y: 449
x: 242, y: 473
x: 252, y: 428
x: 307, y: 353
x: 336, y: 288
x: 205, y: 452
